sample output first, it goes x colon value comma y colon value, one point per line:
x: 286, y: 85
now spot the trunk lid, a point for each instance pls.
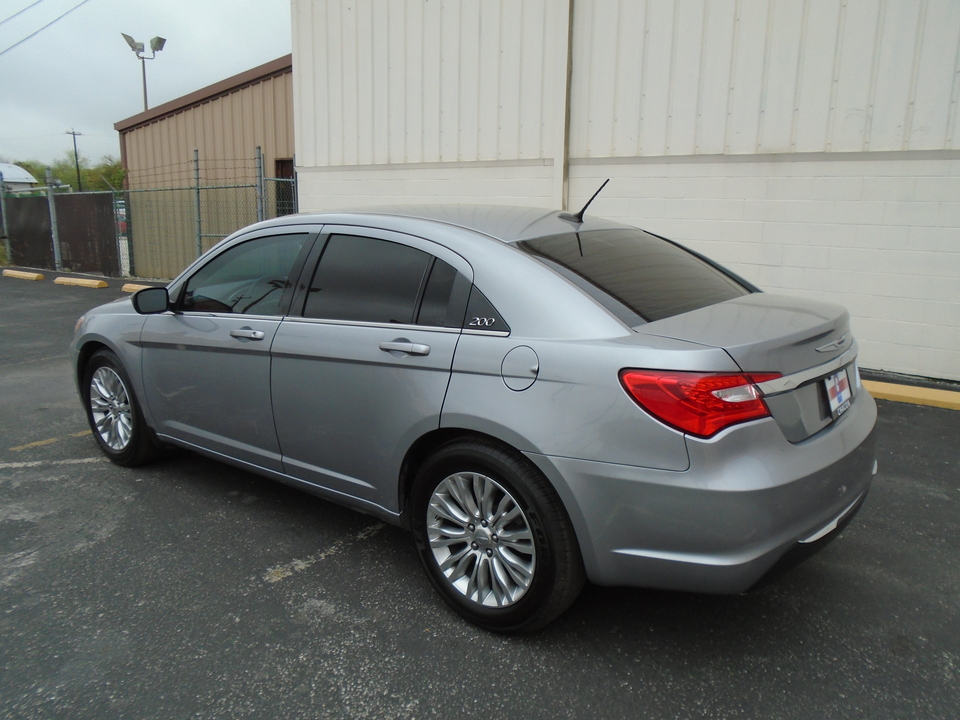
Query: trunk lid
x: 764, y: 332
x: 775, y: 333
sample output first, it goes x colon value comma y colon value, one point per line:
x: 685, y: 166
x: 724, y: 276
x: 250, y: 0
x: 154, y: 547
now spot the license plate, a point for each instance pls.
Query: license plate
x: 838, y: 392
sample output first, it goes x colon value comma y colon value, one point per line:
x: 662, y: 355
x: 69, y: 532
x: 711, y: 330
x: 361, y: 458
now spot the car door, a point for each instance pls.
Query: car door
x: 206, y: 364
x: 363, y: 371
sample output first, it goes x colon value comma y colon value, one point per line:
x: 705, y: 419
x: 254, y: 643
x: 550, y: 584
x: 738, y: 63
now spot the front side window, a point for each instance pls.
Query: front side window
x: 249, y: 279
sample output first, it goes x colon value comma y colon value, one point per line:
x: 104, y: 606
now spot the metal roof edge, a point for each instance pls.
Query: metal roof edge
x: 273, y: 68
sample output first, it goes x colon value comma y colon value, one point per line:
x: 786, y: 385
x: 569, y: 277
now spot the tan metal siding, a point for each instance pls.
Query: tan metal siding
x: 226, y: 131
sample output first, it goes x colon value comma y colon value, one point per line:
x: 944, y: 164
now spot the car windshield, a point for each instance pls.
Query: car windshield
x: 640, y: 278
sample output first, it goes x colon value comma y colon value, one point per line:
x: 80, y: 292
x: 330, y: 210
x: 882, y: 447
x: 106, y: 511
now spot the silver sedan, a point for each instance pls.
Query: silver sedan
x: 541, y: 398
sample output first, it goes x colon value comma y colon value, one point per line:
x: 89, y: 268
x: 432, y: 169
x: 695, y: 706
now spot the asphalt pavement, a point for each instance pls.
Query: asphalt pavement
x: 187, y: 588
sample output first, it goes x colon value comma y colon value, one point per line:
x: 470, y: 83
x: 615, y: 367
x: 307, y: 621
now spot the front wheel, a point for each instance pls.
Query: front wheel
x: 494, y: 538
x: 113, y: 412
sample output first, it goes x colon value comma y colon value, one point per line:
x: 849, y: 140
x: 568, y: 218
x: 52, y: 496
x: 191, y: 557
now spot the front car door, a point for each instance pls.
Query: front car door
x: 206, y: 364
x: 364, y: 370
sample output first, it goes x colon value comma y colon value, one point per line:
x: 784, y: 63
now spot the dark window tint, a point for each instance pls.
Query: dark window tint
x: 367, y: 280
x: 444, y: 298
x: 636, y: 276
x: 482, y: 315
x: 249, y: 278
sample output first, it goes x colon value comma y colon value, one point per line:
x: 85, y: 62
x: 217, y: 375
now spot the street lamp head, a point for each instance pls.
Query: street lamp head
x: 137, y: 47
x: 157, y: 43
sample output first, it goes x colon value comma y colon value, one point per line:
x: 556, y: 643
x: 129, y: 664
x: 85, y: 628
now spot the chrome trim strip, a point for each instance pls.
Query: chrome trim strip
x: 494, y: 333
x: 356, y: 323
x: 790, y: 382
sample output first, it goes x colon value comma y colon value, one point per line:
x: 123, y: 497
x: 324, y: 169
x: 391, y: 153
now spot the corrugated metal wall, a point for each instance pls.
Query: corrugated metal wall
x: 225, y: 129
x: 408, y: 81
x: 689, y: 77
x: 813, y: 145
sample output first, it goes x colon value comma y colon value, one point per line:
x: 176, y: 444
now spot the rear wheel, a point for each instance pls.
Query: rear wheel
x: 494, y: 538
x: 114, y: 413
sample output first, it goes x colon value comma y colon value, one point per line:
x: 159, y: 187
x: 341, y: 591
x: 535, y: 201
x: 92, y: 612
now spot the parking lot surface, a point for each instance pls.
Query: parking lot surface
x: 187, y: 588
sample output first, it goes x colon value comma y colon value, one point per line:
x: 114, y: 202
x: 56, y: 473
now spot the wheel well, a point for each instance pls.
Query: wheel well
x: 423, y: 448
x: 85, y: 353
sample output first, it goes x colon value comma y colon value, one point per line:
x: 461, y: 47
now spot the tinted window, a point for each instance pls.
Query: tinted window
x: 482, y: 315
x: 249, y: 278
x: 367, y: 280
x: 444, y: 298
x: 636, y: 276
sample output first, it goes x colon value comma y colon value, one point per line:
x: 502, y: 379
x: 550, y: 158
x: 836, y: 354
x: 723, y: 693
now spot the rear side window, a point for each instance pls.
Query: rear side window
x: 638, y: 277
x: 367, y: 280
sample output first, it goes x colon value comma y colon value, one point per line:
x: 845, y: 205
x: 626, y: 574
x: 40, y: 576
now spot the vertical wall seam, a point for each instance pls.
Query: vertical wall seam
x: 798, y: 84
x: 835, y: 77
x: 914, y: 75
x: 731, y: 86
x: 519, y: 97
x: 671, y: 78
x: 561, y: 161
x: 764, y: 76
x: 704, y: 23
x: 874, y: 72
x: 616, y: 82
x: 954, y: 94
x: 643, y: 75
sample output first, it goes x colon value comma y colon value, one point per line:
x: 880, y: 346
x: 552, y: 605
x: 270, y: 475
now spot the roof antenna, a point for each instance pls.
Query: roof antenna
x: 578, y: 218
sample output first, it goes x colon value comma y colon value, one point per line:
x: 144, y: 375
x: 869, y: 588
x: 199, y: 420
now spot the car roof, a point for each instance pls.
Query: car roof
x: 507, y: 223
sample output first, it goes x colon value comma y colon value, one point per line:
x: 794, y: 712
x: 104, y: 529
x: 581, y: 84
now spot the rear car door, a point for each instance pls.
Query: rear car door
x: 206, y: 365
x: 362, y: 372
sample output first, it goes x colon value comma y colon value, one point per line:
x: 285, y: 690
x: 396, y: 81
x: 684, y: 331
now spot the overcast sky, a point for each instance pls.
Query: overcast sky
x: 80, y: 74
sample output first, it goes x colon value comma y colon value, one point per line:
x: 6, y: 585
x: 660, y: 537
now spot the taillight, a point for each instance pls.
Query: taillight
x: 701, y: 404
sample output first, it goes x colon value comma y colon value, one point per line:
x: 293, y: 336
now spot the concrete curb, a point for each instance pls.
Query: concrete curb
x: 914, y: 395
x: 133, y: 287
x: 22, y: 275
x: 80, y: 282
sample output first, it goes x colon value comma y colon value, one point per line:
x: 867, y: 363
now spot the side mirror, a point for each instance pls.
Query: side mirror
x: 151, y: 301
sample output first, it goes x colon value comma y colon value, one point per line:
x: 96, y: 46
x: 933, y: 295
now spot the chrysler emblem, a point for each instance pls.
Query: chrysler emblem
x: 835, y: 345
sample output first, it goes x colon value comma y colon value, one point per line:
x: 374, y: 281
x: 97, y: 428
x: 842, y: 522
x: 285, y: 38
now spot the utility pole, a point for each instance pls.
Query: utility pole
x: 76, y: 158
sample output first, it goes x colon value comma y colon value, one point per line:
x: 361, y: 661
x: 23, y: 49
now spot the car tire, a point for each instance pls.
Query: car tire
x: 113, y: 412
x: 494, y: 538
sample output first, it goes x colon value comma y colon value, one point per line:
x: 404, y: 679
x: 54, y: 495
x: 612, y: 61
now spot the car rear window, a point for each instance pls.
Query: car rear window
x: 638, y: 277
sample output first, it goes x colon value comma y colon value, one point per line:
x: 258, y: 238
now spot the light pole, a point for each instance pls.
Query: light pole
x: 76, y: 157
x: 156, y: 45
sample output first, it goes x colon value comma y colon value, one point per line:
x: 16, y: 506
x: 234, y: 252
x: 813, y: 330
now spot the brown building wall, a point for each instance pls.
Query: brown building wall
x: 225, y: 122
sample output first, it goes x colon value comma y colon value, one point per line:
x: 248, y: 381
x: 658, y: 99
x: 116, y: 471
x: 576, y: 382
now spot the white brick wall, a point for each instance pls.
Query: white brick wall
x: 878, y: 233
x: 528, y: 183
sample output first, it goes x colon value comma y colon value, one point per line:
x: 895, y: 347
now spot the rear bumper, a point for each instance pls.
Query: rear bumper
x: 748, y: 499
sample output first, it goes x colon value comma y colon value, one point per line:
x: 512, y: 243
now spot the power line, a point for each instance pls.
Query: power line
x: 18, y: 12
x: 59, y: 17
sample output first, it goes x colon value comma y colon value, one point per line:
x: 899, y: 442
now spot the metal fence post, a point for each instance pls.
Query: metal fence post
x: 196, y: 185
x: 6, y: 224
x: 54, y: 233
x: 261, y: 215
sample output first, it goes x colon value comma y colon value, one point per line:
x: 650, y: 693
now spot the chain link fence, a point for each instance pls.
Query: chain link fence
x: 149, y: 232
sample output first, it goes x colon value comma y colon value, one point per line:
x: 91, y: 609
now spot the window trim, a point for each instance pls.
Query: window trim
x: 432, y: 249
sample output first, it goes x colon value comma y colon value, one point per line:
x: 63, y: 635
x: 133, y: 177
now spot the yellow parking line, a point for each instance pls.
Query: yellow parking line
x: 81, y: 434
x: 22, y: 275
x: 38, y: 443
x: 80, y: 282
x: 915, y: 395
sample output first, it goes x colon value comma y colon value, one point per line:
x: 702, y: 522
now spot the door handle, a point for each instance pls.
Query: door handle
x: 247, y: 334
x: 405, y: 347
